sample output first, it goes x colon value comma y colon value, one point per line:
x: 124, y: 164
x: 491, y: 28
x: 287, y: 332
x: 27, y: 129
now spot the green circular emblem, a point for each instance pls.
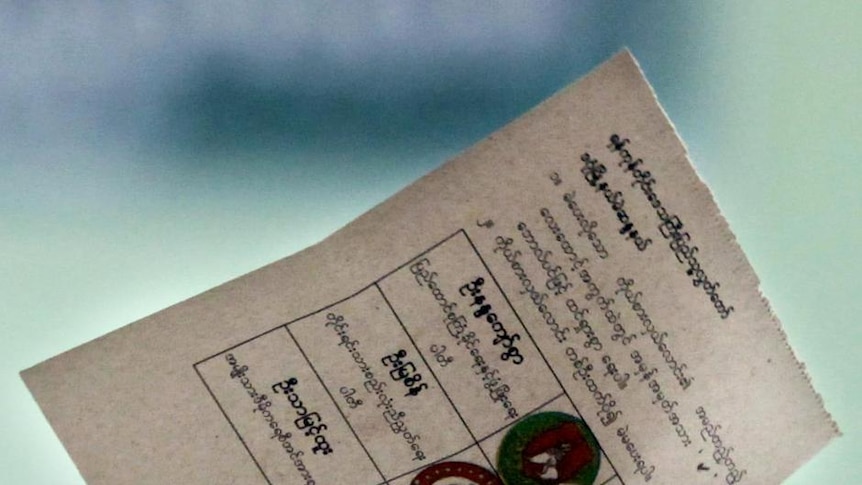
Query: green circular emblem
x: 549, y: 448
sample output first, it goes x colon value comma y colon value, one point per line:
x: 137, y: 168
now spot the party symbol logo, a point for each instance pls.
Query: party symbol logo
x: 456, y: 473
x: 549, y: 448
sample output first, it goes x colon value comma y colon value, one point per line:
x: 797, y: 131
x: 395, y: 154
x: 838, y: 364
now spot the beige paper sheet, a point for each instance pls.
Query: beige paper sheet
x: 562, y: 303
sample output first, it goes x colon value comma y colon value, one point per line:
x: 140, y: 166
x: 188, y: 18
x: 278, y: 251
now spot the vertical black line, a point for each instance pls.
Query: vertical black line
x: 381, y: 278
x: 231, y: 425
x: 439, y: 460
x: 434, y: 375
x: 611, y: 478
x: 336, y: 404
x: 513, y: 423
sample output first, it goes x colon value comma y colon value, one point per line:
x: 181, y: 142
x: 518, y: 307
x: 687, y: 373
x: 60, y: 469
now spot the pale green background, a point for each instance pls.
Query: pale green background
x: 148, y: 153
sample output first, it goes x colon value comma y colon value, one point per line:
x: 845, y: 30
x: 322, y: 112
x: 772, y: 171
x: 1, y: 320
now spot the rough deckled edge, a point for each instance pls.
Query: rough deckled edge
x: 719, y: 216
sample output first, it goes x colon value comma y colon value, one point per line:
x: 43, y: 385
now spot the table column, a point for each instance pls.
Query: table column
x: 383, y: 388
x: 450, y: 304
x: 283, y: 415
x: 464, y: 326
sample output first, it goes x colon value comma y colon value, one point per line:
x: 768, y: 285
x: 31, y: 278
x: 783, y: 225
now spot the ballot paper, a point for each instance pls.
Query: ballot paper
x: 561, y: 303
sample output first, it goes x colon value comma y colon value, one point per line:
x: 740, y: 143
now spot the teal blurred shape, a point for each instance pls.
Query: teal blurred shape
x: 149, y: 152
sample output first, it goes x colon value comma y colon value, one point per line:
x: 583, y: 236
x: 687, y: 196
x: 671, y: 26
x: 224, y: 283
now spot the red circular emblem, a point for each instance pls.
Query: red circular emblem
x: 454, y: 473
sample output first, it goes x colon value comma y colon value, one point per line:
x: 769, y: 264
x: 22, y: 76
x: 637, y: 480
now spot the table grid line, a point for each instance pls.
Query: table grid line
x: 434, y: 375
x: 329, y: 393
x: 538, y: 349
x: 611, y: 478
x: 375, y: 283
x: 337, y: 302
x: 479, y: 441
x: 238, y: 435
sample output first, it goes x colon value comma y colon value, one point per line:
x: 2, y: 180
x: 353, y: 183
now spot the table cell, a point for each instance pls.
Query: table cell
x: 470, y: 335
x: 282, y: 414
x: 468, y: 466
x: 382, y: 386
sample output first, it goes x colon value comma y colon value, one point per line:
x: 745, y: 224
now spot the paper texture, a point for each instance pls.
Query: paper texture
x: 562, y: 303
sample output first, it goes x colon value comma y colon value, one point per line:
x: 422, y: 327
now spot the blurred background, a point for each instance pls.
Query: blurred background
x: 151, y: 150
